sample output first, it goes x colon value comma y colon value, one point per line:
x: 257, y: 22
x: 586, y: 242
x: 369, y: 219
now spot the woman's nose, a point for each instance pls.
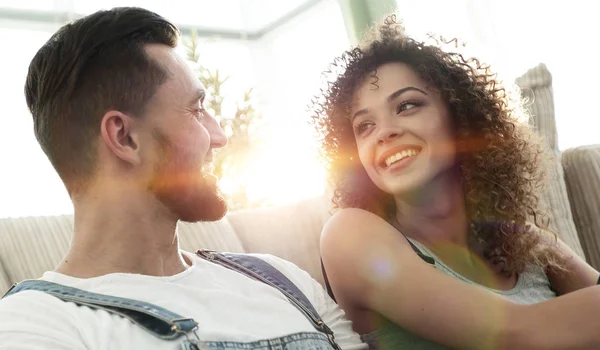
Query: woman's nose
x: 390, y: 134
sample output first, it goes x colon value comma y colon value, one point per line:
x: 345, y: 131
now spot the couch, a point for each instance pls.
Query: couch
x: 29, y: 246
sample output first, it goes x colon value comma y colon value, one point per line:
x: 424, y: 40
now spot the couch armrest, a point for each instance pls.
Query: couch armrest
x: 582, y: 176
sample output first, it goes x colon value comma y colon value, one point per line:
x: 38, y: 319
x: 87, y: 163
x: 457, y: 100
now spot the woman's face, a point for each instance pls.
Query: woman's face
x: 402, y: 129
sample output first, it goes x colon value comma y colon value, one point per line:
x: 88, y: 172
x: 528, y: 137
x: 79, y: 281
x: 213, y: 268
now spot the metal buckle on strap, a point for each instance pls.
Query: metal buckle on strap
x: 330, y: 336
x: 175, y: 327
x: 8, y: 291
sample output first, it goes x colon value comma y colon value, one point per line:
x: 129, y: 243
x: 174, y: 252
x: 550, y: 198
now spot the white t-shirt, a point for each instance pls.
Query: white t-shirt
x: 227, y: 305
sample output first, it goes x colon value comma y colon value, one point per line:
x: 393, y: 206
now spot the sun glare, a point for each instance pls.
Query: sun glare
x: 285, y: 170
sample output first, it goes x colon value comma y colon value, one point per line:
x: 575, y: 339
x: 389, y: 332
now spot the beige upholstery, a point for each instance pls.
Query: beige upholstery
x: 31, y: 246
x: 4, y: 281
x: 536, y: 86
x: 582, y: 172
x: 218, y: 235
x: 291, y: 232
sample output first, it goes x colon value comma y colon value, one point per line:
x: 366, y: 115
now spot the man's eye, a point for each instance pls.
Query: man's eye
x: 199, y: 113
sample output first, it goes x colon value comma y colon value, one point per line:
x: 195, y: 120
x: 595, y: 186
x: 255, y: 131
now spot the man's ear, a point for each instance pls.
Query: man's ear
x: 119, y: 135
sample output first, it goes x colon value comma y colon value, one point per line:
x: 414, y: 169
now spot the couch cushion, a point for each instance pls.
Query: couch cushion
x: 536, y: 87
x: 4, y: 281
x: 582, y: 175
x: 30, y: 246
x: 218, y: 235
x: 291, y: 232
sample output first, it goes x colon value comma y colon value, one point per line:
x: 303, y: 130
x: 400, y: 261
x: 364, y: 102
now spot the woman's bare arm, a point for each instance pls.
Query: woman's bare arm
x: 579, y: 274
x: 371, y: 266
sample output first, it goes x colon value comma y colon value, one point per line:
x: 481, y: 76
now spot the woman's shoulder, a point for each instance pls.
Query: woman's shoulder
x: 352, y: 242
x: 353, y: 225
x: 353, y: 232
x: 353, y: 219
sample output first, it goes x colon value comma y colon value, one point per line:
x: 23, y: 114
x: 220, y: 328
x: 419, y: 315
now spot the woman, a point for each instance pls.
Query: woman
x: 436, y: 181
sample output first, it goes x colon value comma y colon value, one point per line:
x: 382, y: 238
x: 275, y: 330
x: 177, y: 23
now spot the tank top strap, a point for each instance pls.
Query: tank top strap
x: 428, y: 259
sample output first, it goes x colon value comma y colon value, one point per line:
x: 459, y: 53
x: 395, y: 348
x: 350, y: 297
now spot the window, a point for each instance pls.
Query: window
x: 276, y: 47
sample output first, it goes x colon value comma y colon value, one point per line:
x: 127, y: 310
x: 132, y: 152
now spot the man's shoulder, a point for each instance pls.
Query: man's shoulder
x: 285, y: 266
x: 288, y: 268
x: 30, y: 301
x: 26, y: 297
x: 295, y: 274
x: 330, y: 312
x: 31, y: 306
x: 300, y: 278
x: 35, y: 319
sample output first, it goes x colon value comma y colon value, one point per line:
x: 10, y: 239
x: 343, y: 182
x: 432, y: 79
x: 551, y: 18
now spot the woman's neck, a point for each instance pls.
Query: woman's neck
x: 437, y: 218
x: 436, y: 213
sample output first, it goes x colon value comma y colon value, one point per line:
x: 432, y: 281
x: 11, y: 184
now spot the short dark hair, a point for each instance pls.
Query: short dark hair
x: 88, y: 67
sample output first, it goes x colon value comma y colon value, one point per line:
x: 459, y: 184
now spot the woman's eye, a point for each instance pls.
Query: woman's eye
x: 406, y: 106
x: 362, y: 127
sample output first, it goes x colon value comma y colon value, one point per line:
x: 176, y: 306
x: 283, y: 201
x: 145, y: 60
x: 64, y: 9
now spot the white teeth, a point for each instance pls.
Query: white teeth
x: 400, y: 155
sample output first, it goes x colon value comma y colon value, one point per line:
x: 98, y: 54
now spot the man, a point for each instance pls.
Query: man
x: 120, y: 116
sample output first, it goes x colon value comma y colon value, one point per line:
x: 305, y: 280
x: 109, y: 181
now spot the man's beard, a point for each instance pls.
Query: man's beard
x: 190, y: 193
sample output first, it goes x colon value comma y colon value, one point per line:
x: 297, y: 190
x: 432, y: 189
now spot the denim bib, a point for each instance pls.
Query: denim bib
x: 170, y: 326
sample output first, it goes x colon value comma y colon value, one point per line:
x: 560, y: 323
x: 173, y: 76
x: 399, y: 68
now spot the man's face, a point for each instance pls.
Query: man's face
x: 183, y: 136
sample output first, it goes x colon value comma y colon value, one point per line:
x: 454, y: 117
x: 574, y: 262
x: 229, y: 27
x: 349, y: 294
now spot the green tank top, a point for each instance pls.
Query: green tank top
x: 532, y: 287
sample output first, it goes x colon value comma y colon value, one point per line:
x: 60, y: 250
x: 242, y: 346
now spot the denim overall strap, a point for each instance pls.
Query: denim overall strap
x: 262, y: 271
x: 154, y: 319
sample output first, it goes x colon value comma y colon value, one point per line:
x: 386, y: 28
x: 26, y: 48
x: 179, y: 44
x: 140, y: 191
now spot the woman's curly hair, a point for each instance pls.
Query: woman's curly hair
x: 500, y: 159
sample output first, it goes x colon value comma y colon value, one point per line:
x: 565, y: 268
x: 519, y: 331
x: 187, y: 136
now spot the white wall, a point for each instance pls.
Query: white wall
x: 515, y: 35
x: 28, y: 183
x: 288, y: 64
